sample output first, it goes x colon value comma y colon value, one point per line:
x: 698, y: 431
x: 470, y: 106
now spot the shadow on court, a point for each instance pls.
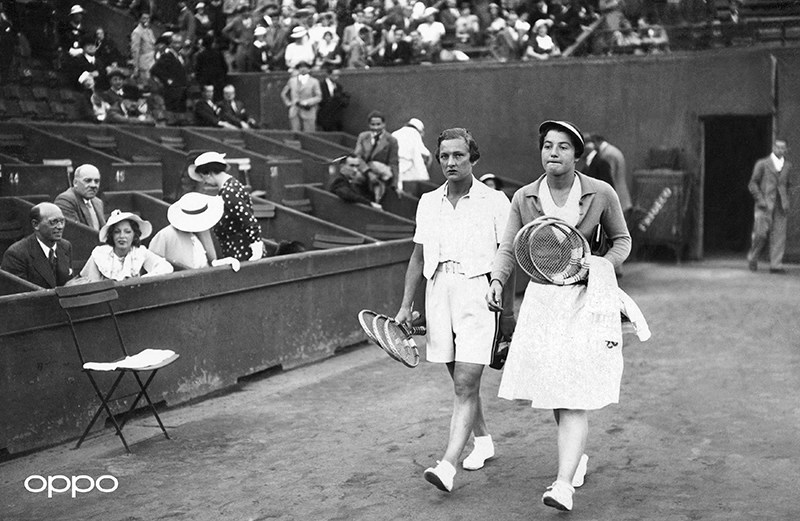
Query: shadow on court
x: 706, y: 430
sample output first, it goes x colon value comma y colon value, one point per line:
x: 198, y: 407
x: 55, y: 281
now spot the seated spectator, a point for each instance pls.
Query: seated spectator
x: 626, y: 40
x: 467, y: 26
x: 419, y: 51
x: 43, y: 258
x: 504, y: 41
x: 85, y: 62
x: 207, y: 113
x: 73, y: 32
x: 361, y: 50
x: 107, y: 53
x: 329, y: 54
x: 122, y: 255
x: 431, y: 32
x: 654, y: 37
x: 396, y: 49
x: 238, y: 232
x: 91, y: 104
x: 186, y: 243
x: 119, y: 89
x: 567, y: 23
x: 326, y: 23
x: 131, y: 110
x: 300, y: 50
x: 80, y: 202
x: 542, y: 45
x: 202, y: 22
x: 233, y: 111
x: 448, y: 16
x: 350, y: 184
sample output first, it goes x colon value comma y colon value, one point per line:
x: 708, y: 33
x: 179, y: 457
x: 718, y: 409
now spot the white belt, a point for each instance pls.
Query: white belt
x: 450, y: 267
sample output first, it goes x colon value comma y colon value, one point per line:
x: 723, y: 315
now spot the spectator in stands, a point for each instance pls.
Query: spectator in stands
x: 238, y: 232
x: 86, y: 61
x: 413, y: 156
x: 325, y: 23
x: 210, y: 67
x: 122, y: 255
x: 396, y: 50
x: 350, y: 184
x: 361, y: 50
x: 431, y: 32
x: 329, y: 54
x: 186, y: 243
x: 612, y: 17
x: 448, y: 15
x: 300, y: 50
x: 239, y: 32
x: 334, y: 101
x: 626, y: 40
x: 350, y: 33
x: 143, y: 49
x: 81, y: 203
x: 504, y: 41
x: 302, y: 94
x: 378, y: 152
x: 131, y: 110
x: 92, y: 106
x: 72, y: 33
x: 259, y: 55
x: 278, y: 31
x: 170, y: 71
x: 106, y: 52
x: 233, y: 110
x: 119, y: 88
x: 654, y: 37
x: 467, y: 26
x: 567, y: 23
x: 207, y: 112
x: 203, y: 22
x: 542, y: 46
x: 43, y: 258
x: 186, y: 21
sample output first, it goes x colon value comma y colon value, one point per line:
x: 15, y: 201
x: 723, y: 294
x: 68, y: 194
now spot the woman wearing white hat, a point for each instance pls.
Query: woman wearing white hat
x: 300, y: 50
x: 186, y: 243
x: 237, y: 232
x: 542, y: 46
x: 123, y: 256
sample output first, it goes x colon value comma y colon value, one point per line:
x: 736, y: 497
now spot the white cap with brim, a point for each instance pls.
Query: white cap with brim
x: 417, y: 124
x: 205, y: 158
x: 567, y: 127
x: 195, y: 212
x: 76, y: 9
x: 118, y: 216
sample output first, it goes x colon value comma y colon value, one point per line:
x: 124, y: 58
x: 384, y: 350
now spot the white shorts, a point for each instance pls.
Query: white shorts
x: 460, y: 326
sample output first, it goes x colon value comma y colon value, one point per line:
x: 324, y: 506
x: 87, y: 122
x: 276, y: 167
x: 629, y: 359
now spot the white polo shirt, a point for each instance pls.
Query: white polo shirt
x: 468, y: 234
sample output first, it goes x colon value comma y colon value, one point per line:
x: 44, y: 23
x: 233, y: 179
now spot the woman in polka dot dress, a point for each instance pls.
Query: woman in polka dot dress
x: 238, y: 232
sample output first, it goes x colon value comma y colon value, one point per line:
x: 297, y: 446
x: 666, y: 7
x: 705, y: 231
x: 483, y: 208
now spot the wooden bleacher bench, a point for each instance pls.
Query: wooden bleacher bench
x: 136, y: 158
x: 301, y: 205
x: 13, y: 141
x: 173, y: 142
x: 264, y: 211
x: 234, y: 142
x: 326, y: 242
x: 104, y: 143
x: 294, y: 143
x: 390, y: 231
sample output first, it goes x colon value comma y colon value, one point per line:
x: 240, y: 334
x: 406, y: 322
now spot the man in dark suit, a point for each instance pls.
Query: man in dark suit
x: 80, y: 203
x: 207, y: 113
x: 170, y: 71
x: 119, y: 90
x: 594, y: 165
x: 42, y: 258
x: 334, y: 101
x: 397, y: 50
x: 378, y: 152
x: 349, y: 184
x: 769, y: 185
x: 233, y: 111
x: 86, y: 61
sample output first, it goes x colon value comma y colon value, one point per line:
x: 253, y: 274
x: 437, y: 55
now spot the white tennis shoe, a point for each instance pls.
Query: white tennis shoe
x: 559, y: 495
x: 482, y: 451
x: 580, y: 472
x: 441, y: 476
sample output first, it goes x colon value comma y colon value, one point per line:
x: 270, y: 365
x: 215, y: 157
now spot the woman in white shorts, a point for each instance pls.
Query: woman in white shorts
x: 459, y: 226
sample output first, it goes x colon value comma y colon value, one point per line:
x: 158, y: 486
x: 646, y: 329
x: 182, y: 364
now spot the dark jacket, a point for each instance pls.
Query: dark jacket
x: 346, y: 191
x: 26, y: 260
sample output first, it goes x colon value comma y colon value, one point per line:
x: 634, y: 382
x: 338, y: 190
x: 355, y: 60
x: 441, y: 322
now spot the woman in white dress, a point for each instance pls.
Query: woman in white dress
x: 557, y: 360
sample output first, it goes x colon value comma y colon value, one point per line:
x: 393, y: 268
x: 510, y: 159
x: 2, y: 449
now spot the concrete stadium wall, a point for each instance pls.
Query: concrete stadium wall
x: 282, y: 311
x: 638, y: 103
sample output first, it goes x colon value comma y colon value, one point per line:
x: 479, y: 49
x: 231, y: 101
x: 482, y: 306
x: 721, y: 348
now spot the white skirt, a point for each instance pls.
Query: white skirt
x: 558, y: 358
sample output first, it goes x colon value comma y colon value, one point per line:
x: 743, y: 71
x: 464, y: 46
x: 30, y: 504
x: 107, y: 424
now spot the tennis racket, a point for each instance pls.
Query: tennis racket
x: 551, y: 251
x: 375, y: 326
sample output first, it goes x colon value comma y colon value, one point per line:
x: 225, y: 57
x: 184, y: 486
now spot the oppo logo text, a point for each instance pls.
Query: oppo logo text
x: 74, y: 484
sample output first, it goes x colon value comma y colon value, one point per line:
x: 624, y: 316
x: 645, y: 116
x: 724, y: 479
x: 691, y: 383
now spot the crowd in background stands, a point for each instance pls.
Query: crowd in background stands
x: 209, y: 39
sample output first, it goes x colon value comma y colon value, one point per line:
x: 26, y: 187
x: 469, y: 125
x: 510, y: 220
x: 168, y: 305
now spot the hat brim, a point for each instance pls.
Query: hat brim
x: 193, y: 174
x: 193, y: 222
x: 569, y: 128
x: 144, y: 226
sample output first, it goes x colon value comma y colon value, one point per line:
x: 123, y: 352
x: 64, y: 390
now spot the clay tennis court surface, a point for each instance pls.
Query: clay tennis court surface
x: 707, y: 429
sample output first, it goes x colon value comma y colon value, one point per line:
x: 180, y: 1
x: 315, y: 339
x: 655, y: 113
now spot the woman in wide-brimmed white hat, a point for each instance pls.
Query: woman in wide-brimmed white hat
x: 122, y: 255
x: 186, y: 243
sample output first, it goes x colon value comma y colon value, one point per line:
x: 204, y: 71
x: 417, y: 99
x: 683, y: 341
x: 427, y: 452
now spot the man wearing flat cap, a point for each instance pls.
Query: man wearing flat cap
x: 80, y: 203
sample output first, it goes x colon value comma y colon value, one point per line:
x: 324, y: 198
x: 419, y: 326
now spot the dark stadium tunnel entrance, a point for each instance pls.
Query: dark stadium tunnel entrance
x: 731, y: 147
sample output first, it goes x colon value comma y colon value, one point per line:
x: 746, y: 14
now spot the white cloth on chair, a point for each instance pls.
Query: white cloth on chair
x: 142, y: 360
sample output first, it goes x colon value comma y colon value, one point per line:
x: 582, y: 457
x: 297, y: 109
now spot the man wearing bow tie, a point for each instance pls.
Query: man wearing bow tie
x: 42, y: 258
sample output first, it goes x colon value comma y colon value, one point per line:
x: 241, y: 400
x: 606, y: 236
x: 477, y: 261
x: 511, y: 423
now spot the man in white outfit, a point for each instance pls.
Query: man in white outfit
x: 413, y: 156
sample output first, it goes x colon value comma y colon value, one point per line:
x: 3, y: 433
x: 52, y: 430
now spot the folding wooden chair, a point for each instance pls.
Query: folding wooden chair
x: 150, y: 361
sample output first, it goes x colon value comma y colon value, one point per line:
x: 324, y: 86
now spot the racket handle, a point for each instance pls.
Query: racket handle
x: 420, y: 330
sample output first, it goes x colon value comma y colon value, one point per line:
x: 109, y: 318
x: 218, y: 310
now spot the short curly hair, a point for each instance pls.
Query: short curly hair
x: 459, y: 133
